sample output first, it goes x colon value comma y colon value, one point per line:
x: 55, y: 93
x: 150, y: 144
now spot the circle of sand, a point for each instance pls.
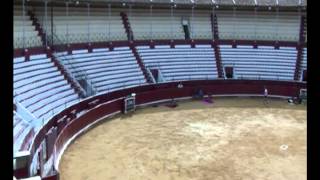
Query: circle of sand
x: 231, y: 139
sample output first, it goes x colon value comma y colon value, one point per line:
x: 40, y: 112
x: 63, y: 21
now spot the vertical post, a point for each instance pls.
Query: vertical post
x: 46, y: 23
x: 277, y: 24
x: 88, y: 5
x: 107, y: 23
x: 171, y: 21
x: 191, y: 24
x: 300, y: 39
x: 130, y: 32
x: 151, y: 36
x: 213, y: 24
x: 234, y: 22
x: 67, y: 25
x: 23, y: 24
x: 255, y: 22
x: 52, y: 23
x: 109, y: 14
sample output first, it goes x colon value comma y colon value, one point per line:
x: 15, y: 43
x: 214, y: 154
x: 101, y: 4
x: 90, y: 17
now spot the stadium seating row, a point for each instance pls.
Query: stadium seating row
x: 41, y: 88
x: 100, y: 25
x: 106, y: 70
x: 304, y: 59
x: 24, y: 34
x: 20, y: 130
x: 181, y: 62
x: 264, y: 62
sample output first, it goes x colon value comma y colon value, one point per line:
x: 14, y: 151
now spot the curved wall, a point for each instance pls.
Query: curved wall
x: 99, y: 106
x: 77, y: 46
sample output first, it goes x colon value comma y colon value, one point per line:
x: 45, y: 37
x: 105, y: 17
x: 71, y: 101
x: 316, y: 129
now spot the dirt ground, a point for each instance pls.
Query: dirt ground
x: 231, y: 139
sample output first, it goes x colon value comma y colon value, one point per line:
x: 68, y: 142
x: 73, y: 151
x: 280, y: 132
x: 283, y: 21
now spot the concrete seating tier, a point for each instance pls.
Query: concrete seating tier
x: 265, y: 62
x: 181, y: 62
x: 21, y: 128
x: 265, y: 26
x: 24, y: 34
x: 304, y: 59
x: 40, y: 87
x: 106, y: 70
x: 77, y: 27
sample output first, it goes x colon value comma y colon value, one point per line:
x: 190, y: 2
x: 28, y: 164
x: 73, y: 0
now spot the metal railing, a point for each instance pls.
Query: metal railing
x: 76, y: 73
x: 150, y: 75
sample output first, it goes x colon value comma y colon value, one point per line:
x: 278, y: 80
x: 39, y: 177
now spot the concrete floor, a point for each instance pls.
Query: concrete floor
x: 231, y: 139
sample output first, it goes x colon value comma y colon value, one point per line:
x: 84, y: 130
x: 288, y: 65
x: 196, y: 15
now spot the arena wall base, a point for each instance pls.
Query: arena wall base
x: 104, y: 106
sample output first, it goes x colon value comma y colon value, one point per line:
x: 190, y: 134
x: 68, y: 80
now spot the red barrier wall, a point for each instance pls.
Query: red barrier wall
x: 101, y: 105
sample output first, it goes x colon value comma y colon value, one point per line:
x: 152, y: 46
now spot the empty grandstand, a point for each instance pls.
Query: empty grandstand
x: 77, y: 25
x: 181, y: 62
x: 264, y: 62
x: 40, y: 87
x: 106, y: 70
x: 75, y: 62
x: 25, y: 34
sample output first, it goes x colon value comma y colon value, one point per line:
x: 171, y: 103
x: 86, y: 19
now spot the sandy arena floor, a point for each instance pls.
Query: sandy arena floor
x: 231, y: 139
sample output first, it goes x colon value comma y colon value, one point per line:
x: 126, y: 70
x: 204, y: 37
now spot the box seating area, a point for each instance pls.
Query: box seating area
x: 101, y: 27
x: 265, y: 27
x: 40, y: 87
x: 181, y: 62
x: 265, y: 62
x: 20, y: 130
x: 163, y: 27
x: 201, y: 25
x: 140, y: 21
x: 106, y: 70
x: 21, y: 25
x: 243, y: 26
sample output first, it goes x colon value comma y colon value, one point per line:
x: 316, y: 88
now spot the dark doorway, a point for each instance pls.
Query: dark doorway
x: 186, y: 32
x: 304, y: 75
x: 229, y: 72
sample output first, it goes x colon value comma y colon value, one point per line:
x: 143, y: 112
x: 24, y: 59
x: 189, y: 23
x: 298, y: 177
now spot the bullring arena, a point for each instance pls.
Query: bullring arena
x: 233, y: 138
x: 160, y: 90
